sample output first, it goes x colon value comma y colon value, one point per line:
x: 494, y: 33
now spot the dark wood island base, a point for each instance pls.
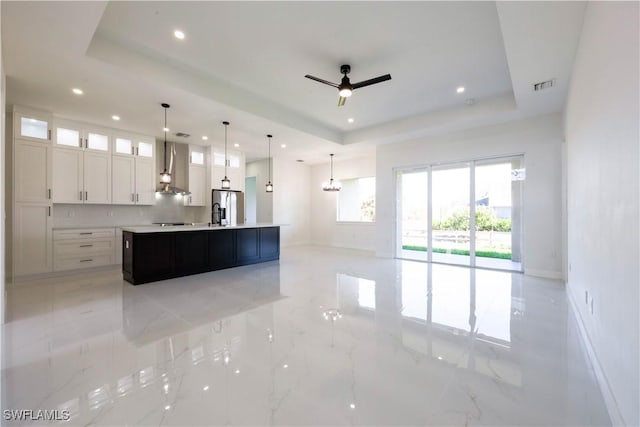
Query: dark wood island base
x: 152, y: 256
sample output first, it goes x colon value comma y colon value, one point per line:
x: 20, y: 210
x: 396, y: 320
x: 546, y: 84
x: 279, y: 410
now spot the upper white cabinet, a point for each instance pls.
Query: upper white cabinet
x: 32, y: 126
x: 234, y: 171
x: 197, y: 176
x: 81, y: 163
x: 32, y: 172
x: 68, y: 134
x: 133, y: 170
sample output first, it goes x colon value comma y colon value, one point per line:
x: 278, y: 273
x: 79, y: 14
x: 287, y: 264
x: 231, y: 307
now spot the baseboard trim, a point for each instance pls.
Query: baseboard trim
x: 607, y: 394
x: 547, y: 274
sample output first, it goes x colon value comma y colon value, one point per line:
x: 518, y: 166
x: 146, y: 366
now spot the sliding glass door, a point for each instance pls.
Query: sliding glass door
x: 466, y: 214
x: 450, y: 238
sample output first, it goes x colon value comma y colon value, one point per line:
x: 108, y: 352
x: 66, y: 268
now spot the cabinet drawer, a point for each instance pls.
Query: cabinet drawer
x: 84, y: 233
x: 73, y: 263
x: 82, y: 247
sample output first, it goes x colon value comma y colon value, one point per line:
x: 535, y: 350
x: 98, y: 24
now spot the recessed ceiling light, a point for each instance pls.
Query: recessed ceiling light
x: 283, y: 145
x: 77, y: 91
x: 237, y: 371
x: 205, y: 388
x: 116, y: 118
x: 166, y: 408
x: 460, y: 89
x: 178, y: 34
x: 350, y: 119
x: 205, y: 137
x: 236, y: 145
x: 165, y: 129
x: 352, y: 406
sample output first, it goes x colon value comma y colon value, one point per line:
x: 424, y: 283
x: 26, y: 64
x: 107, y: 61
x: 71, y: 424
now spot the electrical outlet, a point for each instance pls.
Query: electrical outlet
x: 110, y: 213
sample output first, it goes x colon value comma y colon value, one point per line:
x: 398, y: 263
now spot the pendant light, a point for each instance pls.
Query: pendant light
x: 331, y: 185
x: 226, y: 182
x: 269, y: 184
x: 165, y: 177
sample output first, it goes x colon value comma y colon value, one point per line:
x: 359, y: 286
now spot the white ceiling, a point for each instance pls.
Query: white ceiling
x: 245, y: 62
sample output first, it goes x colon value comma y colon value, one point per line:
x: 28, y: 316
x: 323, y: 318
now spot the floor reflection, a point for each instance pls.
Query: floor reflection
x: 323, y: 337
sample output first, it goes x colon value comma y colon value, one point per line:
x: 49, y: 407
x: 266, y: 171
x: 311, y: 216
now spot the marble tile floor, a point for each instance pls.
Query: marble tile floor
x: 322, y: 337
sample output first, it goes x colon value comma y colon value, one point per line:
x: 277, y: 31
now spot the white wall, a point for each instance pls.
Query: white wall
x: 291, y: 200
x: 539, y: 139
x: 325, y: 229
x: 602, y: 188
x: 264, y: 200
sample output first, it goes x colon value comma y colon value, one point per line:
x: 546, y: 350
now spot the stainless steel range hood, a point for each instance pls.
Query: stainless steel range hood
x: 173, y: 187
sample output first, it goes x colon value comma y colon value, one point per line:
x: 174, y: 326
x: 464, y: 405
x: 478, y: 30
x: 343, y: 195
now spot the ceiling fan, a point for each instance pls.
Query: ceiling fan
x: 345, y: 89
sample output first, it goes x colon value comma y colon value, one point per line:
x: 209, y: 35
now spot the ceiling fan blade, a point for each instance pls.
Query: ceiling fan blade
x: 341, y: 101
x: 321, y: 81
x: 372, y: 81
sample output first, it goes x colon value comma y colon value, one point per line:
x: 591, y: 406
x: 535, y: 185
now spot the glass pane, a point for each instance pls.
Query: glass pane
x: 357, y: 200
x: 218, y: 159
x: 97, y: 141
x: 414, y: 206
x: 450, y: 215
x: 496, y: 212
x: 234, y: 161
x: 34, y: 128
x: 145, y: 149
x: 197, y: 158
x: 68, y: 137
x: 123, y: 145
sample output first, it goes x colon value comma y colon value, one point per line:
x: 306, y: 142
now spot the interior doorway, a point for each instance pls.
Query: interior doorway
x: 250, y: 203
x: 467, y: 213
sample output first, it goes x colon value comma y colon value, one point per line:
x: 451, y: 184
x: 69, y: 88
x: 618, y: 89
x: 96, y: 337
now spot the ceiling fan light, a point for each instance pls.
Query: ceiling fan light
x: 345, y: 92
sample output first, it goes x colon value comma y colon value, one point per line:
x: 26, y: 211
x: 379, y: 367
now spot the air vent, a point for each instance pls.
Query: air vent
x: 544, y: 85
x: 183, y: 135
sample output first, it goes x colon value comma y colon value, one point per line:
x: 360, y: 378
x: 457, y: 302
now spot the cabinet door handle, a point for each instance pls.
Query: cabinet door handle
x: 133, y: 151
x: 86, y: 260
x: 86, y: 196
x: 49, y: 194
x: 86, y: 233
x: 80, y: 138
x: 49, y: 134
x: 86, y: 246
x: 137, y: 151
x: 132, y: 198
x: 137, y: 197
x: 49, y: 213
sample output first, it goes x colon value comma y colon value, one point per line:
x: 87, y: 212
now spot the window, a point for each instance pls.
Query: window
x: 357, y: 200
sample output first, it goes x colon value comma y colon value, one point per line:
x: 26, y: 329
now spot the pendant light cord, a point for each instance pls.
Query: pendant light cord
x: 165, y: 138
x: 226, y: 124
x: 269, y: 158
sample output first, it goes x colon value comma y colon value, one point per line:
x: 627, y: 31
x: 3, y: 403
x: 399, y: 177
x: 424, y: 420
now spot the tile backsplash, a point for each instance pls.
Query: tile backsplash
x: 168, y: 208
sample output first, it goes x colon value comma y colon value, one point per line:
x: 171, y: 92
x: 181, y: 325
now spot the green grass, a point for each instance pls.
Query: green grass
x: 483, y: 254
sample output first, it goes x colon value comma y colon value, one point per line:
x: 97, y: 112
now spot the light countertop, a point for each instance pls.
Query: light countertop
x: 197, y: 227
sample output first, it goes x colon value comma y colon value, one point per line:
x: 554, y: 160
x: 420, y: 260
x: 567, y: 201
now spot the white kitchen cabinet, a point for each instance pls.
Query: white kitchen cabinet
x: 83, y: 248
x: 32, y: 239
x: 81, y: 176
x: 235, y: 168
x: 79, y: 136
x: 32, y: 172
x: 133, y: 170
x: 67, y: 176
x: 145, y: 183
x: 123, y: 178
x: 97, y: 177
x: 197, y: 176
x: 197, y: 186
x: 32, y: 125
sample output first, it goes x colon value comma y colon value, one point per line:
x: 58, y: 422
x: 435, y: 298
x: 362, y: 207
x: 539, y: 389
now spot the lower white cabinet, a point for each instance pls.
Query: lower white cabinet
x: 32, y: 228
x: 83, y: 248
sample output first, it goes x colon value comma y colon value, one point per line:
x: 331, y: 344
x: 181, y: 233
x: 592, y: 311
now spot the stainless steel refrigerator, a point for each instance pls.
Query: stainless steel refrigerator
x: 227, y: 207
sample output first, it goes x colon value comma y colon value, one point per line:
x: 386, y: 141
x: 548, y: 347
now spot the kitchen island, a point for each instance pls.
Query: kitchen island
x: 152, y: 253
